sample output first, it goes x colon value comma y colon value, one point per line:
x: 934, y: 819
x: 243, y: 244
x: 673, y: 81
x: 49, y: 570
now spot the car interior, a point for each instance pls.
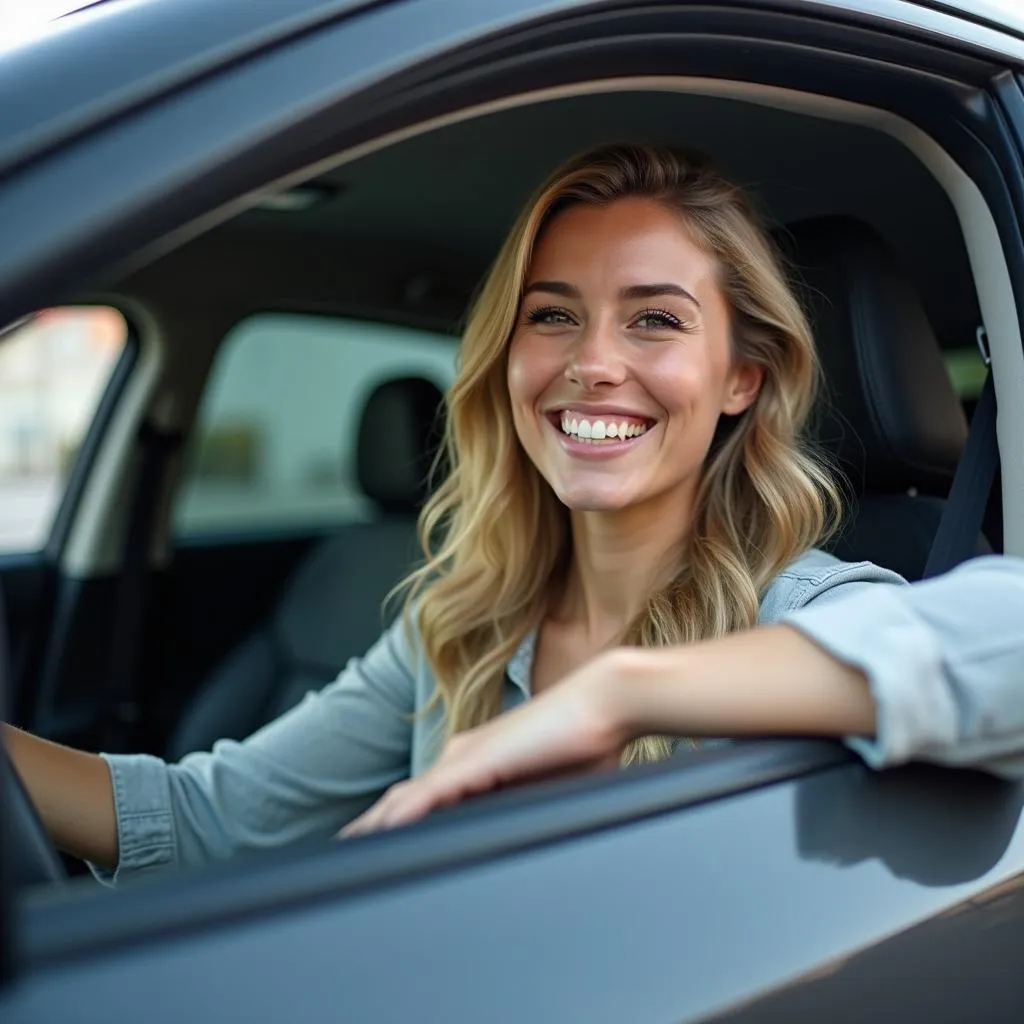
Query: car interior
x: 338, y: 300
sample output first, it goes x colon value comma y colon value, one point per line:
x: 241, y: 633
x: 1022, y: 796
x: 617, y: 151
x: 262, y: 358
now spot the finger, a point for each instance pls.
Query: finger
x: 461, y: 774
x: 358, y: 826
x: 353, y: 828
x: 371, y: 819
x: 446, y: 784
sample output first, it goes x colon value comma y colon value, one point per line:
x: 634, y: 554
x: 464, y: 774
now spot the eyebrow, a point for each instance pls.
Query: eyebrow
x: 633, y: 291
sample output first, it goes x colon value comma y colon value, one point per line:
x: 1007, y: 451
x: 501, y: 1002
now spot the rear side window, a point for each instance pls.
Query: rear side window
x: 274, y: 448
x: 54, y: 369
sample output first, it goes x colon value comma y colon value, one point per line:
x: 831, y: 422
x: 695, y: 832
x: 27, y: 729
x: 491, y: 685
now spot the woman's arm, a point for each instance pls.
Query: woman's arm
x: 768, y: 681
x: 944, y: 660
x: 71, y: 791
x: 765, y: 682
x: 303, y: 775
x: 932, y: 671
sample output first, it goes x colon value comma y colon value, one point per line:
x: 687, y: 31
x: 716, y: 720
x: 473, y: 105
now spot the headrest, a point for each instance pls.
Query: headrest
x: 890, y: 413
x: 398, y: 437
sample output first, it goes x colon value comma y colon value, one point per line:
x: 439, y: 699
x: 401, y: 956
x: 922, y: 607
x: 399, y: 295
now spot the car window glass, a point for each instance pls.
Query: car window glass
x: 274, y: 447
x: 54, y: 368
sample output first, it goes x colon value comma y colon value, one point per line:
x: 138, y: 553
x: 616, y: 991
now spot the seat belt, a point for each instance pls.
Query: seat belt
x: 956, y: 539
x: 155, y: 447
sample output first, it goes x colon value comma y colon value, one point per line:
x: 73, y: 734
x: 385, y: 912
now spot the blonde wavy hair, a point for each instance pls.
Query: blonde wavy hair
x: 497, y: 540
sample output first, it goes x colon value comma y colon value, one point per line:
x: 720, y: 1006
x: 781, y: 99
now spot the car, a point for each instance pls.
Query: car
x: 236, y: 242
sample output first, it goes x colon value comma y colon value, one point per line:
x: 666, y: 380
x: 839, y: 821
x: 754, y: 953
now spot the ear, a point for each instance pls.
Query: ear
x: 742, y: 389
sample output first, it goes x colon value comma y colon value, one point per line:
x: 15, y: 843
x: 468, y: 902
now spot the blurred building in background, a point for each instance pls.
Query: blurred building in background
x: 53, y: 370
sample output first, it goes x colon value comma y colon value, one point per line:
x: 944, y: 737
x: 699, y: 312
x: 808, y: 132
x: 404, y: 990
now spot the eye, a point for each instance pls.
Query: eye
x: 659, y: 319
x: 556, y: 316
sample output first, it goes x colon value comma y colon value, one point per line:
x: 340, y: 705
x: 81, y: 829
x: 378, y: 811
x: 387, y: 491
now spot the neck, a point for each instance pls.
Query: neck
x: 619, y: 560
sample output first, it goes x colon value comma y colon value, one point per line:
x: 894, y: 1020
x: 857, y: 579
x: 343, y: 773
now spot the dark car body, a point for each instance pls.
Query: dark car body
x: 769, y: 881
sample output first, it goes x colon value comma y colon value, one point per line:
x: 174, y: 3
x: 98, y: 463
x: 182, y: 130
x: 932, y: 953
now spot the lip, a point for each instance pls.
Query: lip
x: 600, y: 410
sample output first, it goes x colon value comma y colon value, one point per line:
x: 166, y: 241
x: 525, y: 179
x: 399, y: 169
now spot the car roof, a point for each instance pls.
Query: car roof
x: 98, y: 61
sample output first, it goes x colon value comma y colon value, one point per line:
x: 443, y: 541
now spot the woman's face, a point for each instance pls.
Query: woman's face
x: 620, y: 362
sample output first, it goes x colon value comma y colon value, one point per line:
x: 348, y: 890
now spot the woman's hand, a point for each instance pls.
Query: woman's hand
x: 573, y: 727
x: 772, y: 681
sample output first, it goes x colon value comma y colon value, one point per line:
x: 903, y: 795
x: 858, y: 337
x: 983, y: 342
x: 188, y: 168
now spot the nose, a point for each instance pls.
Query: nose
x: 596, y: 358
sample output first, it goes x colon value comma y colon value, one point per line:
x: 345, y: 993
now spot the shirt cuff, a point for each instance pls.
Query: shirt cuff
x: 142, y: 806
x: 876, y: 632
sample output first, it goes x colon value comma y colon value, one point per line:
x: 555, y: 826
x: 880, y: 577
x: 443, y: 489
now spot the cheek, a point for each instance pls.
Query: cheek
x: 522, y: 387
x: 516, y: 372
x: 530, y: 370
x: 683, y: 382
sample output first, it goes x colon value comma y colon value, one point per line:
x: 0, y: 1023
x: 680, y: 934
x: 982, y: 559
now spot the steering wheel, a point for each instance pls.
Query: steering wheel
x: 31, y: 856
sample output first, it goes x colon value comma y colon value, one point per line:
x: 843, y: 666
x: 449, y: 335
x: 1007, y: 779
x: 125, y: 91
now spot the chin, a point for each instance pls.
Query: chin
x: 593, y: 500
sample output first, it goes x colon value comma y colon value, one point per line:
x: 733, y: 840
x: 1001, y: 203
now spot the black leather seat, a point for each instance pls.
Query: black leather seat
x: 889, y: 415
x: 331, y: 608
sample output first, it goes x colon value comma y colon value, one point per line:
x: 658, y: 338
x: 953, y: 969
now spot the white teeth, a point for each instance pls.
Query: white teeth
x: 599, y: 430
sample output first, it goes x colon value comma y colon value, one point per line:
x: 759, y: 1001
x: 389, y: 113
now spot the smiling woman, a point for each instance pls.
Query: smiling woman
x: 650, y: 300
x: 600, y: 591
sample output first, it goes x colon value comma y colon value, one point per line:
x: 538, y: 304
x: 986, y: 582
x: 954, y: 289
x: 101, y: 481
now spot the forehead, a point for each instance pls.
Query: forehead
x: 642, y: 239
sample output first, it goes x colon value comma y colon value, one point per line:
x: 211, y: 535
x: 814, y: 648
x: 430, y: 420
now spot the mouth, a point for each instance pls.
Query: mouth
x: 600, y: 429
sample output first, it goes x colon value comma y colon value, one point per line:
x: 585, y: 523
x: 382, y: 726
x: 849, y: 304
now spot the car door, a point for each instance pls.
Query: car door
x: 758, y: 882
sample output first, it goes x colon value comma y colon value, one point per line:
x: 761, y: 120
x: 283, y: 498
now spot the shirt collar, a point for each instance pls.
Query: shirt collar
x: 520, y: 666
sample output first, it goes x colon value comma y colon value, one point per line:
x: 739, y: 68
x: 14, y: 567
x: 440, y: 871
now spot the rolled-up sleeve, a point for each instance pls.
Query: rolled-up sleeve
x: 944, y: 659
x: 304, y: 775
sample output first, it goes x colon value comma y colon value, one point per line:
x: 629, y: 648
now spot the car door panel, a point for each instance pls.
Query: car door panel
x: 956, y: 966
x: 650, y: 919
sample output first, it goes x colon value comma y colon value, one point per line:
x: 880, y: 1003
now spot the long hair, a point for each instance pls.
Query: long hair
x: 495, y: 536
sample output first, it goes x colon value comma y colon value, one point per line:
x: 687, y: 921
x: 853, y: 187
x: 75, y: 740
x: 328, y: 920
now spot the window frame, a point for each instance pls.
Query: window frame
x: 92, y: 441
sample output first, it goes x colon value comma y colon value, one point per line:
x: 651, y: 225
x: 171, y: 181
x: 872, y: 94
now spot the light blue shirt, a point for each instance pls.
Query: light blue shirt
x: 944, y: 659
